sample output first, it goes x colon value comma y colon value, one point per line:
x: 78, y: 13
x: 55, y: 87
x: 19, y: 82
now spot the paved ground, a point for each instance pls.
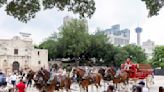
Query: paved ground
x: 159, y: 81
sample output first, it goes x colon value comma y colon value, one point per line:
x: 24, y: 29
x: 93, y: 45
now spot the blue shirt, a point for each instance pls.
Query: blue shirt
x: 2, y: 78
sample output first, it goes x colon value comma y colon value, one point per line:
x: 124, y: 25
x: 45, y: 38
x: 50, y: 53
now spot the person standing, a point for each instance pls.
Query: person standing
x: 1, y: 78
x: 13, y: 79
x: 118, y: 72
x: 21, y: 86
x: 137, y: 89
x: 29, y: 83
x: 110, y: 88
x: 4, y: 88
x: 60, y: 70
x: 52, y: 75
x: 144, y: 88
x: 59, y: 74
x: 161, y: 89
x: 86, y: 71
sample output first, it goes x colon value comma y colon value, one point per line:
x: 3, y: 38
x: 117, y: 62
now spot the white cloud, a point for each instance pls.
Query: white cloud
x: 153, y: 28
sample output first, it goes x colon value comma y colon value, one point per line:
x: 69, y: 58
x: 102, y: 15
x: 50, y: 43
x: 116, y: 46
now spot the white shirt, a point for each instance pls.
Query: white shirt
x: 144, y: 89
x: 13, y: 77
x: 118, y: 72
x: 24, y: 79
x: 86, y: 68
x: 8, y: 80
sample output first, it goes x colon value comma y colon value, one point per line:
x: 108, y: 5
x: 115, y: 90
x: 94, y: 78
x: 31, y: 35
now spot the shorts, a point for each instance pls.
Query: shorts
x: 13, y: 82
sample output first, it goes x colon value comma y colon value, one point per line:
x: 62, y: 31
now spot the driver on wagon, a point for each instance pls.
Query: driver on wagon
x: 128, y: 64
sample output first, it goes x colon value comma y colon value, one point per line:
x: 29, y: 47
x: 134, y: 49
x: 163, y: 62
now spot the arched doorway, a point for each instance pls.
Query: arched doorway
x: 16, y: 66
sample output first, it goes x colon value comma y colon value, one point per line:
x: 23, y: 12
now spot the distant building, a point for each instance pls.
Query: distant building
x: 118, y: 37
x: 148, y: 46
x: 19, y: 53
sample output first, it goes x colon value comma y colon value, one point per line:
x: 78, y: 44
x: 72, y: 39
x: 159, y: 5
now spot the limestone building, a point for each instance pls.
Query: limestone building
x: 148, y: 46
x: 117, y: 36
x: 19, y: 53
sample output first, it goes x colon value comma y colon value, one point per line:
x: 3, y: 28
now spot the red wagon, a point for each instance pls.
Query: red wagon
x: 140, y: 71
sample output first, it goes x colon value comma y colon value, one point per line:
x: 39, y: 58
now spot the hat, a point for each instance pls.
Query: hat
x: 142, y: 83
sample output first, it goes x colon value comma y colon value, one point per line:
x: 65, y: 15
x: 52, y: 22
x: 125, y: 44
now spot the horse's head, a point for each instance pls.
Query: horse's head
x: 102, y: 71
x: 110, y: 72
x: 41, y: 77
x: 78, y: 72
x: 55, y: 66
x: 30, y: 75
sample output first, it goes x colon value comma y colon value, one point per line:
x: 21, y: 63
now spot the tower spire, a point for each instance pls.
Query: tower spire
x: 138, y: 31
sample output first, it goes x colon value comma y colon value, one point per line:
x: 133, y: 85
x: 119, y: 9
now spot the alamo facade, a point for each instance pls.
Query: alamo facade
x: 19, y: 53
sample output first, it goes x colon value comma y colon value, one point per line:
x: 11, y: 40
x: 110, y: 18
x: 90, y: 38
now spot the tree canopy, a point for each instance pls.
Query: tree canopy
x: 74, y: 38
x: 154, y: 6
x: 136, y: 52
x: 97, y: 45
x: 74, y: 42
x: 24, y: 10
x: 158, y: 57
x: 51, y: 45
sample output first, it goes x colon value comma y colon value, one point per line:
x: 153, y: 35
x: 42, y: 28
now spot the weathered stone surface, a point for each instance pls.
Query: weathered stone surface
x: 19, y: 53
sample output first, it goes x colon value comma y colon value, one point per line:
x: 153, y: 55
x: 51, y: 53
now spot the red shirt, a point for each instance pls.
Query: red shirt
x: 21, y: 87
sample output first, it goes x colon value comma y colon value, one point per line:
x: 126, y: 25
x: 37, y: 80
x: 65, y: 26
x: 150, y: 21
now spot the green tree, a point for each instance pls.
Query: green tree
x: 74, y: 38
x: 158, y: 57
x: 136, y: 52
x: 120, y: 56
x: 24, y: 10
x: 154, y: 6
x: 51, y: 46
x: 115, y: 56
x: 96, y: 48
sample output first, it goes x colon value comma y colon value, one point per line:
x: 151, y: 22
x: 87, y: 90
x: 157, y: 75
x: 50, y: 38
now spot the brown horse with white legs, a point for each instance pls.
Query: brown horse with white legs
x: 41, y: 82
x: 41, y: 78
x: 30, y: 74
x: 105, y: 76
x: 91, y: 79
x: 29, y: 77
x: 65, y: 83
x: 123, y: 77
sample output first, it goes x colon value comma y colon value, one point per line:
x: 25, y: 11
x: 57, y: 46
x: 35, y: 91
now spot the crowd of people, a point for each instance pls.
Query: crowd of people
x: 12, y: 82
x: 140, y: 87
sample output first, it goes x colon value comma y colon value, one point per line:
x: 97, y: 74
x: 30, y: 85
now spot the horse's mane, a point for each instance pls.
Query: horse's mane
x: 110, y: 70
x: 44, y: 73
x: 30, y: 74
x: 81, y: 69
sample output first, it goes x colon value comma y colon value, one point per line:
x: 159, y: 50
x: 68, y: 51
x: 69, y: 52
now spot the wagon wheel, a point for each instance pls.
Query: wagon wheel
x: 149, y: 81
x: 134, y: 80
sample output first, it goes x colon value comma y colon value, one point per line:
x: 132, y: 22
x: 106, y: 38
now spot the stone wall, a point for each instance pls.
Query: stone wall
x: 26, y: 56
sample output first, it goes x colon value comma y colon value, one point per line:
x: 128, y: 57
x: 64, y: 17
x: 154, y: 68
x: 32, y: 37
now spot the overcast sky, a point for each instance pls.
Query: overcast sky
x: 127, y: 13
